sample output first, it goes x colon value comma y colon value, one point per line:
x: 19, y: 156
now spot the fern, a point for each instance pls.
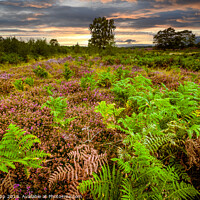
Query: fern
x: 105, y: 186
x: 86, y: 160
x: 148, y: 178
x: 109, y: 113
x: 19, y: 84
x: 179, y: 170
x: 154, y: 142
x: 122, y: 89
x: 15, y: 146
x: 8, y: 185
x: 58, y: 109
x: 57, y: 106
x: 183, y: 191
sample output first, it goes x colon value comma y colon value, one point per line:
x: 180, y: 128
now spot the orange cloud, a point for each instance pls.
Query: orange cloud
x: 135, y: 15
x: 38, y: 14
x: 31, y: 18
x: 43, y: 5
x: 26, y: 4
x: 174, y: 6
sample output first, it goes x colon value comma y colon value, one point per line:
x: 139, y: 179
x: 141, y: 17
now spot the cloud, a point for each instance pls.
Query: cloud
x: 138, y: 18
x: 171, y: 18
x: 29, y: 3
x: 128, y: 41
x: 130, y: 32
x: 12, y: 30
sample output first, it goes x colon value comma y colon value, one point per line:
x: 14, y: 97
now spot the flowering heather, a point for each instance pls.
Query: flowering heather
x: 69, y: 87
x: 89, y: 118
x: 136, y: 68
x: 23, y: 108
x: 52, y: 61
x: 6, y: 87
x: 5, y: 76
x: 91, y: 97
x: 78, y: 71
x: 170, y: 81
x: 115, y: 67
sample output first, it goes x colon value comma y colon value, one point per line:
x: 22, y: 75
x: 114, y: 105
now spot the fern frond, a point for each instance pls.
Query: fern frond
x: 179, y: 170
x: 183, y: 191
x: 154, y: 142
x: 7, y: 185
x: 73, y: 191
x: 105, y: 186
x: 128, y: 192
x: 15, y: 146
x: 86, y: 161
x: 63, y: 173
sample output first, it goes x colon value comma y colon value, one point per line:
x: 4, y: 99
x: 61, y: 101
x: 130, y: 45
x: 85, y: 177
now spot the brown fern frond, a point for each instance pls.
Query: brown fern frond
x: 86, y: 160
x: 193, y: 151
x: 7, y: 186
x: 61, y: 175
x: 73, y: 191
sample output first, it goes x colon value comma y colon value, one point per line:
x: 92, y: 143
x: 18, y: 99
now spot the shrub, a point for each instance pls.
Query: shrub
x: 106, y: 79
x: 121, y: 73
x: 67, y: 72
x: 88, y: 81
x: 29, y: 81
x: 11, y: 58
x: 40, y: 72
x: 57, y: 106
x: 19, y: 84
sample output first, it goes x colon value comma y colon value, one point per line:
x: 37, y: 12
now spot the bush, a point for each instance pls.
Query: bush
x: 29, y: 81
x: 19, y: 84
x: 40, y: 72
x: 11, y: 58
x: 67, y: 73
x: 121, y: 73
x: 88, y: 81
x: 106, y: 79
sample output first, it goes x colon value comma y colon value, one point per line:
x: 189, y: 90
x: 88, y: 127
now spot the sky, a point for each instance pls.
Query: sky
x: 136, y: 21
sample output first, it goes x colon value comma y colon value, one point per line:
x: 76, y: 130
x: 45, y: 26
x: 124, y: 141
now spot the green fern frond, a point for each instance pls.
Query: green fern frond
x: 183, y: 191
x: 194, y: 129
x: 105, y: 186
x: 154, y: 142
x: 179, y: 169
x: 15, y: 146
x: 128, y: 192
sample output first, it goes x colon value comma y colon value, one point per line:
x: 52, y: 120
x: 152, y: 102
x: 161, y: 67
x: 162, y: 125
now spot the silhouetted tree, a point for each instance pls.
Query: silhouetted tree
x: 54, y: 42
x: 170, y: 39
x: 102, y: 31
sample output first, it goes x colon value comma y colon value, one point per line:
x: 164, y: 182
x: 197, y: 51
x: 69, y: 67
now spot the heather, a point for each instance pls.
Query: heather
x: 130, y: 120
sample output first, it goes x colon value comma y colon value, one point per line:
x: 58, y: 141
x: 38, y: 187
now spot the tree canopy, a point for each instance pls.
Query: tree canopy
x: 170, y: 39
x: 54, y: 42
x: 102, y: 31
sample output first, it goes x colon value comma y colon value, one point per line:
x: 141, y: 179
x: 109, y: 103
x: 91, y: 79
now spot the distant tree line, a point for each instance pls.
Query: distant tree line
x: 14, y: 51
